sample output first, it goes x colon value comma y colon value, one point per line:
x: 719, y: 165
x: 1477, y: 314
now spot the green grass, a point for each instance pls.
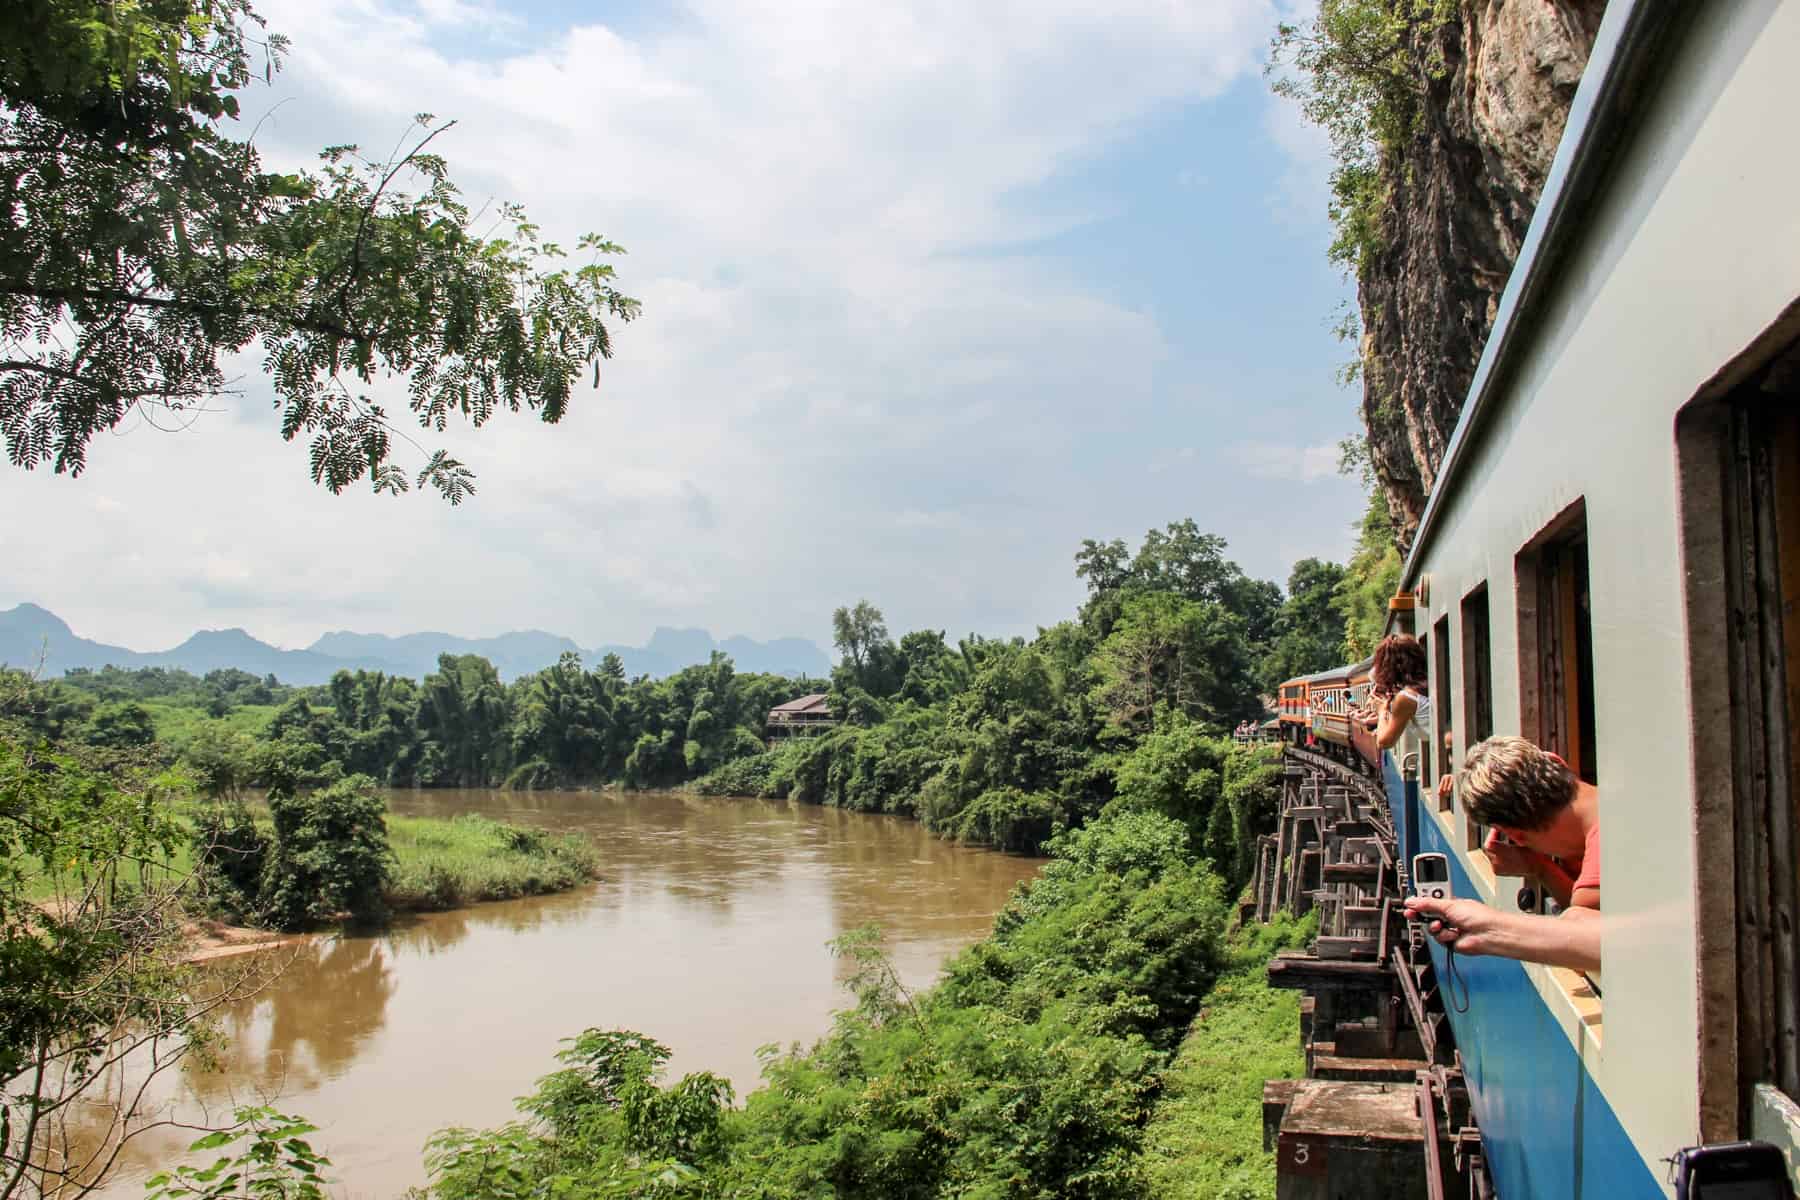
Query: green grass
x: 447, y: 864
x: 178, y: 723
x: 1204, y: 1141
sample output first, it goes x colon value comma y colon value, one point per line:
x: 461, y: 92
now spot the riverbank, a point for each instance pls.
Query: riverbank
x: 439, y: 863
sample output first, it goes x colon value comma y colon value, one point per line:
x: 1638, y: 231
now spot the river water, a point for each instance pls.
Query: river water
x: 707, y: 932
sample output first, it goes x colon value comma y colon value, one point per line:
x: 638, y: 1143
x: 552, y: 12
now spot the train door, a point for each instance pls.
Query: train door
x: 1740, y: 478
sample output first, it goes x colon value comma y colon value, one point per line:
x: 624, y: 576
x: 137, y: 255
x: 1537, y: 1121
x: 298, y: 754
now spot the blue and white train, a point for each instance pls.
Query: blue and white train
x: 1610, y: 565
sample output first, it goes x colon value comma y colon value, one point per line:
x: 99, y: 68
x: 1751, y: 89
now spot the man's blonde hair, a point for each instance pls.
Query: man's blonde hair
x: 1510, y: 781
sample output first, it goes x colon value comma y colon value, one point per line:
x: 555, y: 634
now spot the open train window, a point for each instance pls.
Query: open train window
x: 1739, y: 456
x: 1477, y: 683
x: 1556, y: 642
x: 1442, y: 707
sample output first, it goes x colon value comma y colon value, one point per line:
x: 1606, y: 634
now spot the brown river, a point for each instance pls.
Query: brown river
x: 707, y: 931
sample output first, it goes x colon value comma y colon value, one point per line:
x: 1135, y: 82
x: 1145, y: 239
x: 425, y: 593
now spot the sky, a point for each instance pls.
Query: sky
x: 932, y: 291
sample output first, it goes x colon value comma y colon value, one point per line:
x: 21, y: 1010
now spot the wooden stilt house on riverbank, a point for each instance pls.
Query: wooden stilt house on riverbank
x: 806, y: 717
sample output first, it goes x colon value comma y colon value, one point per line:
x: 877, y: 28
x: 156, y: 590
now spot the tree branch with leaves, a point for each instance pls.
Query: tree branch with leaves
x: 140, y: 245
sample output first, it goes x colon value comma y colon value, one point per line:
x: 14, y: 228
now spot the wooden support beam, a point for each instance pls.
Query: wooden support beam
x: 1315, y: 974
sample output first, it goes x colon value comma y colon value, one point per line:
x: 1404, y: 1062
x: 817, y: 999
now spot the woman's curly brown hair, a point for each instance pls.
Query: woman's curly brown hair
x: 1399, y: 663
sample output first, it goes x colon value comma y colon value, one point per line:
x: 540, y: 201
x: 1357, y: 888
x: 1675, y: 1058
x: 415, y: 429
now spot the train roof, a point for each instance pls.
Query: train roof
x: 1333, y: 673
x: 1624, y: 56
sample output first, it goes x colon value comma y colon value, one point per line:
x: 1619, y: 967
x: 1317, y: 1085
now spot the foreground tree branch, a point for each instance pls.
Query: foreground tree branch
x: 134, y: 228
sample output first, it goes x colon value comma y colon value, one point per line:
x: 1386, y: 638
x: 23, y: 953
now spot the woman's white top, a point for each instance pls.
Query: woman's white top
x: 1421, y: 718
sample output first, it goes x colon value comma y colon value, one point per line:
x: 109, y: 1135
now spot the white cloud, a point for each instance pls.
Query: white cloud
x: 1302, y: 464
x: 836, y: 378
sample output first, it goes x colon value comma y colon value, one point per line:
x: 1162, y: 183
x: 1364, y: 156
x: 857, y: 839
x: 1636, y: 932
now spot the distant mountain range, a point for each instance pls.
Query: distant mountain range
x: 30, y: 635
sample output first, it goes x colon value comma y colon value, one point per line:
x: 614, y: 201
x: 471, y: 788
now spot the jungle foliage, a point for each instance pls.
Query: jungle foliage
x: 998, y: 742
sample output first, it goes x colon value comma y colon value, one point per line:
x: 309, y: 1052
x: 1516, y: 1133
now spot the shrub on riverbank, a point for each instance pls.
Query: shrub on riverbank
x: 336, y: 850
x: 446, y: 864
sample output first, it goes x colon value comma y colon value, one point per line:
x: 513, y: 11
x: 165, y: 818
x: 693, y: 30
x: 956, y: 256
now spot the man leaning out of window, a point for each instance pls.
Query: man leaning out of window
x: 1543, y: 821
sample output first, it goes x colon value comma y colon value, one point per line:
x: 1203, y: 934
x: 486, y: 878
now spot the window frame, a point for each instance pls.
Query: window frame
x: 1740, y: 543
x: 1476, y: 609
x: 1555, y: 658
x: 1443, y: 707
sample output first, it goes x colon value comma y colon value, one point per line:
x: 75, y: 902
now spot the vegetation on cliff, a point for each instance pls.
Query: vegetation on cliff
x: 1443, y: 117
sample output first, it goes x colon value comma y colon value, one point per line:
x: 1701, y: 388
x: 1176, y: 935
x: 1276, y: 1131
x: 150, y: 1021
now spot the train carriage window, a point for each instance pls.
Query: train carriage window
x: 1477, y: 683
x: 1427, y: 777
x: 1739, y: 453
x: 1556, y: 642
x: 1442, y: 707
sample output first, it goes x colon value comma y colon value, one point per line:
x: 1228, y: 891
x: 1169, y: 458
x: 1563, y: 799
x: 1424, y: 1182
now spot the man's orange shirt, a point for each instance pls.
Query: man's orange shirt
x: 1587, y: 873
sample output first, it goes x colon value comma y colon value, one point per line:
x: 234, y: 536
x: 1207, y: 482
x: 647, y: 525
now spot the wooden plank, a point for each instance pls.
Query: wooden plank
x: 1415, y: 1003
x: 1434, y: 1162
x: 1367, y: 1070
x: 1311, y: 973
x: 1352, y: 872
x: 1344, y: 947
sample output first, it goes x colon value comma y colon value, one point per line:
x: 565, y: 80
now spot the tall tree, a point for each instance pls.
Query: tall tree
x: 1169, y: 652
x: 857, y: 631
x: 1309, y: 630
x: 140, y: 245
x: 1370, y: 577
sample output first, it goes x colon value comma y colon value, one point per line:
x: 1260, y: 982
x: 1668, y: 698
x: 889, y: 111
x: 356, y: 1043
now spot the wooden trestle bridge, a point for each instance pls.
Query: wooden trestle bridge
x: 1382, y: 1111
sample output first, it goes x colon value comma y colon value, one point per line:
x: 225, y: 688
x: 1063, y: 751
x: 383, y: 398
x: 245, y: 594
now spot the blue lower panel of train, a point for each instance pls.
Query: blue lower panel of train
x: 1547, y: 1128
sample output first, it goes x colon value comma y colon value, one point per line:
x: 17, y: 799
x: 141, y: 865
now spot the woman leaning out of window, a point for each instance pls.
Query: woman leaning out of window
x: 1398, y: 691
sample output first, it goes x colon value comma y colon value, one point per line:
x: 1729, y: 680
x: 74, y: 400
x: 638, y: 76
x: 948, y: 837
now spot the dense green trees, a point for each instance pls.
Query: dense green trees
x: 90, y: 936
x: 154, y: 244
x: 996, y: 741
x: 1309, y: 628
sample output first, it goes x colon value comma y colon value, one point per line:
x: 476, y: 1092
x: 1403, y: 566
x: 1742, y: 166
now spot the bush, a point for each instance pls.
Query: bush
x: 749, y: 776
x: 1009, y: 819
x: 230, y: 855
x: 330, y: 855
x: 532, y: 776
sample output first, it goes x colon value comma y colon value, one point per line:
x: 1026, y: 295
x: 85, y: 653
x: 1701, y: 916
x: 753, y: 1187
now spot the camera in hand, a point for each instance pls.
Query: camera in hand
x: 1431, y: 877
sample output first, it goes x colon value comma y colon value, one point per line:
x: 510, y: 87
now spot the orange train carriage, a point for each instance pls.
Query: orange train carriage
x: 1315, y: 710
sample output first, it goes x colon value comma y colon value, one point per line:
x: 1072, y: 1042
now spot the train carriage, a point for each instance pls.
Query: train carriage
x: 1609, y: 564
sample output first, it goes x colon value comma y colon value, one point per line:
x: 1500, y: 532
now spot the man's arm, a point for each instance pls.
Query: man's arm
x: 1571, y: 940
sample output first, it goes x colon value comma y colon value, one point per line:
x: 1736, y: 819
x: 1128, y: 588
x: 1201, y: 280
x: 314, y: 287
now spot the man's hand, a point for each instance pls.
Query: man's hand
x: 1464, y: 924
x: 1571, y: 940
x: 1446, y: 789
x: 1509, y: 858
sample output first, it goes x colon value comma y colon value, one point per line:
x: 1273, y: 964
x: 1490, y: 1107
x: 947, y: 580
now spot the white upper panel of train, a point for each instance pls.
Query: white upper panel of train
x: 1688, y: 252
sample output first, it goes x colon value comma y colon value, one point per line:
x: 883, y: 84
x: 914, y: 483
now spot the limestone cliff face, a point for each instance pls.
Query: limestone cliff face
x: 1497, y: 81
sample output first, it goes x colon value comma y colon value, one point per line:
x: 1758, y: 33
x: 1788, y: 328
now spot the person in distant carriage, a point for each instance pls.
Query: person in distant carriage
x: 1397, y: 684
x: 1542, y: 821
